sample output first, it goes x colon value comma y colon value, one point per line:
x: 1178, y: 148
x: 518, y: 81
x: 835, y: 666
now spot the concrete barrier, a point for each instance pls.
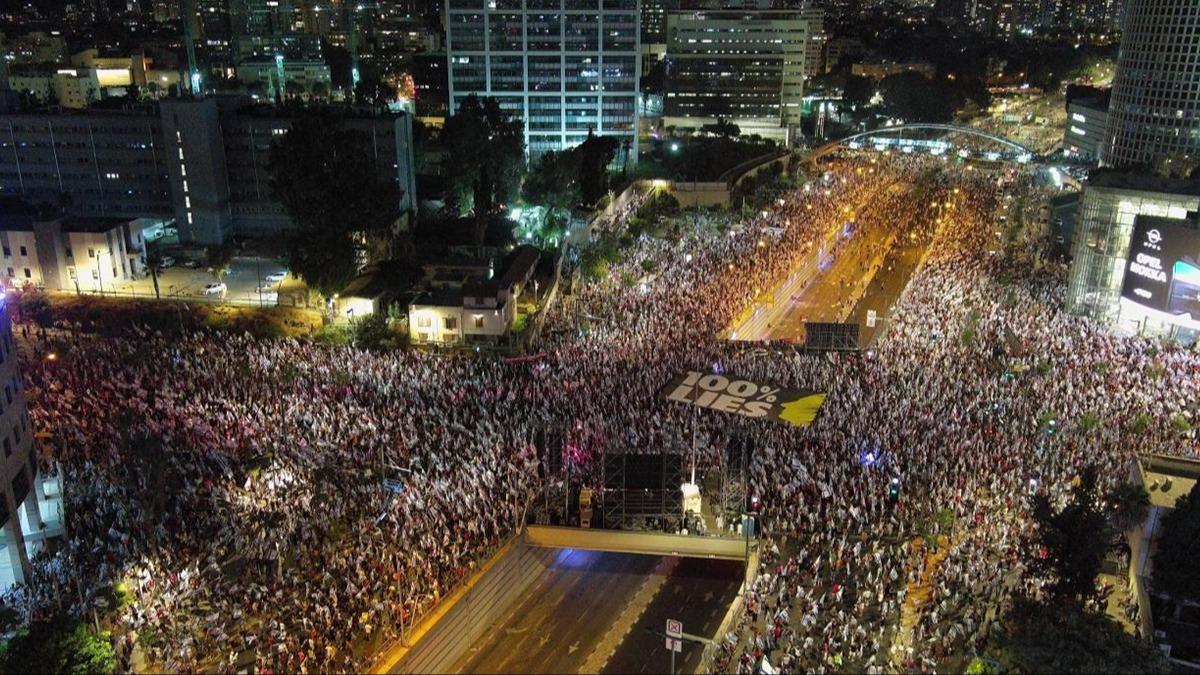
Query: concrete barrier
x: 693, y: 194
x: 646, y: 543
x: 465, y: 617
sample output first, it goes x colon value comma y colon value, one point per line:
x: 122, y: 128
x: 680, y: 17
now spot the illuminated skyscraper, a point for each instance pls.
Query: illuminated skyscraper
x: 563, y: 66
x: 1155, y: 108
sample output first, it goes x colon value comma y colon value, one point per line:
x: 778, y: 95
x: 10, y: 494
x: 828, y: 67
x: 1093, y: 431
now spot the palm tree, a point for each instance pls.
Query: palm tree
x: 1129, y: 504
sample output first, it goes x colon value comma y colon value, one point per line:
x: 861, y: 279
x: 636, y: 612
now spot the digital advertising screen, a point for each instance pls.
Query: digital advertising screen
x: 1163, y: 270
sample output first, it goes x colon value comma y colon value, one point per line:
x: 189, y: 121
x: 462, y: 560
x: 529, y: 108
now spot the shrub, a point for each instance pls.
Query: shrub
x: 372, y: 332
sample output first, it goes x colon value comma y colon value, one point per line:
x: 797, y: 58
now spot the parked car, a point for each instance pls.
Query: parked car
x: 191, y: 264
x: 215, y: 289
x: 276, y: 277
x: 165, y: 262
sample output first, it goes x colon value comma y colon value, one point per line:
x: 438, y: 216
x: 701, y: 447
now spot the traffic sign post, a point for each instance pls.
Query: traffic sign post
x: 674, y: 641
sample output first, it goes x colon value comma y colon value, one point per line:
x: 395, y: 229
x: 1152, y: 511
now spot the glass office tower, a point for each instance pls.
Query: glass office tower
x: 1154, y: 113
x: 563, y: 66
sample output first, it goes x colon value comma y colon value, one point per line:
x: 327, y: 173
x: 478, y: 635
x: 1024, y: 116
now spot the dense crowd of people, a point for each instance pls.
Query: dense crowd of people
x: 300, y: 503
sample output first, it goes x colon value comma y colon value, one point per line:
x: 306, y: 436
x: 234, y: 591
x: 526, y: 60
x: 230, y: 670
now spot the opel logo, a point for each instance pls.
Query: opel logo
x: 1153, y: 236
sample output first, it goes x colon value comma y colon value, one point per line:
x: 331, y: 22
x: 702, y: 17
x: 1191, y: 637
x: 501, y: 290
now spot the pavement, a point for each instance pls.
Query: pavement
x: 243, y: 279
x: 589, y: 612
x: 697, y: 594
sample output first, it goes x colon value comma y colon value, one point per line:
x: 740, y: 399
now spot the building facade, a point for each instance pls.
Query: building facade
x: 565, y: 67
x: 746, y: 66
x: 1155, y: 109
x: 1109, y: 210
x: 74, y: 88
x: 1087, y: 121
x: 22, y: 487
x: 201, y: 162
x: 70, y: 253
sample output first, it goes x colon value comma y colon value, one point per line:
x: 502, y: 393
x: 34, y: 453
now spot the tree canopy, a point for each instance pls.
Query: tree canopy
x: 1067, y: 639
x: 1130, y: 503
x: 1072, y: 541
x: 1175, y: 568
x: 326, y: 178
x: 722, y: 127
x: 552, y: 180
x: 594, y: 156
x: 59, y: 646
x: 485, y: 156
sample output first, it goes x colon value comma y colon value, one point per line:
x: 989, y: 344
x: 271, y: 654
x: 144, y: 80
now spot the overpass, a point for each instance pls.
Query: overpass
x: 559, y: 600
x: 885, y: 136
x: 644, y: 543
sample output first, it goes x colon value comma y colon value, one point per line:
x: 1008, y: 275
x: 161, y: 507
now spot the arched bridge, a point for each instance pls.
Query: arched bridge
x: 1022, y: 152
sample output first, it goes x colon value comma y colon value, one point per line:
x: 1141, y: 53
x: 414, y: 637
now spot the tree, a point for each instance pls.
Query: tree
x: 1175, y: 569
x: 913, y: 97
x: 59, y: 646
x: 1073, y: 540
x: 153, y: 262
x: 329, y: 184
x: 595, y: 154
x: 372, y: 332
x: 723, y: 128
x: 326, y: 261
x: 857, y: 91
x: 36, y: 307
x: 218, y: 258
x: 1067, y: 639
x: 485, y: 152
x: 552, y: 182
x: 1129, y: 503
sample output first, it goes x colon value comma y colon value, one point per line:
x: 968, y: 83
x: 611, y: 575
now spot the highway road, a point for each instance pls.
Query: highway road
x: 564, y: 615
x: 588, y: 606
x: 847, y: 272
x: 698, y: 593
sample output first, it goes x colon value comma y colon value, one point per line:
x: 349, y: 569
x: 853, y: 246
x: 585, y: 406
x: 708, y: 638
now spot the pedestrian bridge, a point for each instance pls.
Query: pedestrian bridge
x: 646, y: 543
x: 894, y: 136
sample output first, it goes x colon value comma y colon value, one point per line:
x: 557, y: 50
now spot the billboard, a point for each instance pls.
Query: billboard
x: 728, y: 393
x: 1163, y: 269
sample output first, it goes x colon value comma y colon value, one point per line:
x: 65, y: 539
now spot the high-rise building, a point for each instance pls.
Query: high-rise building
x: 201, y: 162
x: 1087, y: 119
x: 746, y: 66
x: 565, y: 67
x: 215, y: 34
x: 1155, y: 109
x: 1130, y: 223
x: 654, y: 20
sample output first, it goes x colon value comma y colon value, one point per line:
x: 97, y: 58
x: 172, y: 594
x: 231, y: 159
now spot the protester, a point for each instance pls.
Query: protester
x: 297, y: 501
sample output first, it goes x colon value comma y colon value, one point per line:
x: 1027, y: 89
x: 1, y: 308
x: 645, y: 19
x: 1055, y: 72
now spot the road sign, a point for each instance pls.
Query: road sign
x: 871, y: 316
x: 674, y: 645
x: 674, y: 628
